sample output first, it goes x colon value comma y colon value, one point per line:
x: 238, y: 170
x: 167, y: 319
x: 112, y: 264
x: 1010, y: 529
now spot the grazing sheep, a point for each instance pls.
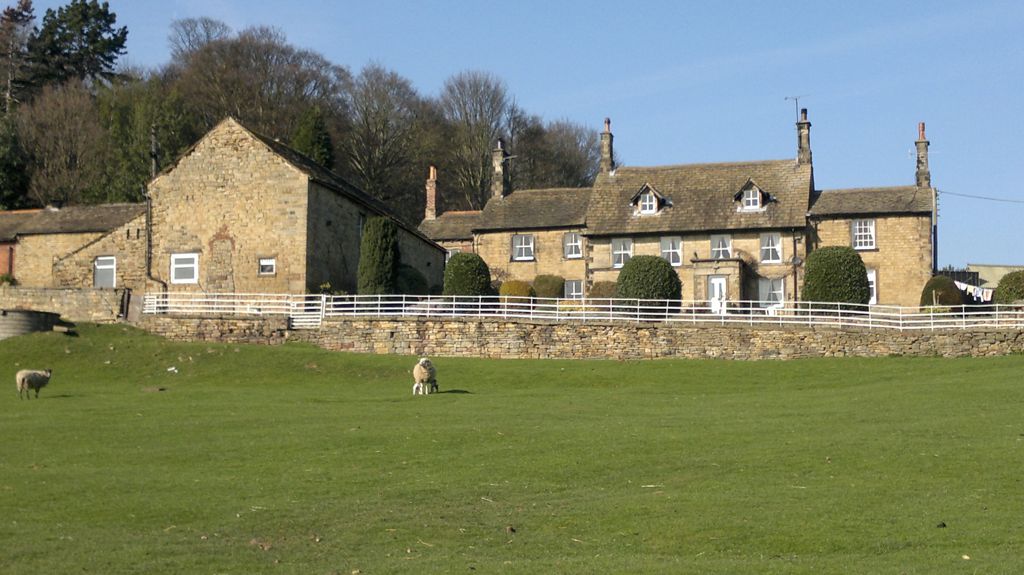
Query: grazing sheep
x: 28, y: 379
x: 425, y: 377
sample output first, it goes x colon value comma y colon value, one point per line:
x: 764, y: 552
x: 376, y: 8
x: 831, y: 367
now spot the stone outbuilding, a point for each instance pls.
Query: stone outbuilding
x: 239, y: 212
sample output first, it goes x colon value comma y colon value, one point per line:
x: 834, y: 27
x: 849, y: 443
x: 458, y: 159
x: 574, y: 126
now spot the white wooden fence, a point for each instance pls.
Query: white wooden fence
x: 308, y: 311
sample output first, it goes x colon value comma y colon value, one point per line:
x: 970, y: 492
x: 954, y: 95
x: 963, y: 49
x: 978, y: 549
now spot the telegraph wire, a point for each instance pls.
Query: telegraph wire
x: 988, y: 198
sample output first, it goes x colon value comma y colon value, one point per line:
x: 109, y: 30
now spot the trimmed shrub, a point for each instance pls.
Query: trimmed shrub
x: 1010, y: 288
x: 378, y: 257
x: 603, y: 290
x: 941, y: 291
x: 649, y: 277
x: 549, y: 286
x: 410, y: 281
x: 467, y: 274
x: 836, y: 274
x: 516, y: 288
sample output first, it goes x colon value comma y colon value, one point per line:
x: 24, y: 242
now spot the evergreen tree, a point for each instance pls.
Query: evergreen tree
x: 378, y: 257
x: 312, y: 139
x: 77, y: 41
x: 13, y: 169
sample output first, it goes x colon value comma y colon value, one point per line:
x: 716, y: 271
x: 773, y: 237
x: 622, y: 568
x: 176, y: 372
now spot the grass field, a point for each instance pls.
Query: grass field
x: 295, y: 460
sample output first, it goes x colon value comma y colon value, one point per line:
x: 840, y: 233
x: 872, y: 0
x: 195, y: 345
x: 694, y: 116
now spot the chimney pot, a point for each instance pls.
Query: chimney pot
x: 920, y: 131
x: 607, y: 125
x: 803, y: 114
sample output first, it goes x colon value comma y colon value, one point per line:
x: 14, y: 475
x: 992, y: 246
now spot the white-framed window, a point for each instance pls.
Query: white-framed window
x: 622, y: 251
x: 522, y: 247
x: 574, y: 289
x: 451, y: 252
x: 873, y: 286
x: 648, y: 203
x: 771, y: 248
x: 721, y: 247
x: 751, y: 199
x: 104, y: 272
x: 572, y: 246
x: 672, y: 250
x: 771, y: 292
x: 184, y: 268
x: 863, y: 234
x: 268, y: 266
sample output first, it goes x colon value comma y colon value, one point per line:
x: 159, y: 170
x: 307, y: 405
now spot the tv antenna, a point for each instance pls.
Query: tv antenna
x: 796, y: 104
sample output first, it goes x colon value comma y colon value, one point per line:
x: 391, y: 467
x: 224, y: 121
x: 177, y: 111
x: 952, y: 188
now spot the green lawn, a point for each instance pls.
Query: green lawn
x: 296, y: 460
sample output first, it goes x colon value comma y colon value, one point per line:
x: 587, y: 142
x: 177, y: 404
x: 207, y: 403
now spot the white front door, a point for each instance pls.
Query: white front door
x: 717, y: 293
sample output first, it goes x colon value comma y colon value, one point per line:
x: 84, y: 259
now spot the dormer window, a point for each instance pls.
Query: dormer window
x: 751, y: 199
x: 648, y: 203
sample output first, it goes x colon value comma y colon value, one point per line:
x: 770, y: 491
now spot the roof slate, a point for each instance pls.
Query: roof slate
x: 702, y: 197
x: 532, y: 209
x: 451, y: 226
x: 68, y: 220
x: 888, y: 200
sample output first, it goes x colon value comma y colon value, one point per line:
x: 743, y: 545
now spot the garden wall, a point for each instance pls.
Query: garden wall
x: 72, y: 304
x: 270, y: 330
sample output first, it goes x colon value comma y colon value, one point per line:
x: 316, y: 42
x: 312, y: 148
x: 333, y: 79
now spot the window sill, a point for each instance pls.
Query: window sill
x: 514, y: 260
x: 871, y: 249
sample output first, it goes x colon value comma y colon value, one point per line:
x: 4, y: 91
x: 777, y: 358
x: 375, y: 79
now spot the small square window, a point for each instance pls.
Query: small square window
x: 522, y: 247
x: 184, y: 268
x: 104, y: 272
x: 751, y: 199
x: 771, y: 248
x: 648, y: 203
x: 863, y: 234
x: 721, y: 247
x: 622, y: 251
x: 268, y: 266
x: 574, y: 289
x: 672, y: 250
x: 572, y: 246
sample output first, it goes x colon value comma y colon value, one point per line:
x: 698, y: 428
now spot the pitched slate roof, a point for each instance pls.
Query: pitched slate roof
x: 702, y: 197
x: 68, y: 220
x: 451, y: 226
x: 532, y: 209
x: 855, y: 201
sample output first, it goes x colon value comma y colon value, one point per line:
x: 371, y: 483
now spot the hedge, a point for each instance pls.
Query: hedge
x: 649, y: 277
x: 467, y: 274
x: 836, y: 274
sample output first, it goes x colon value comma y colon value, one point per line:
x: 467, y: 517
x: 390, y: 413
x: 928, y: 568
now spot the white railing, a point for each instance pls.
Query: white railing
x: 308, y: 311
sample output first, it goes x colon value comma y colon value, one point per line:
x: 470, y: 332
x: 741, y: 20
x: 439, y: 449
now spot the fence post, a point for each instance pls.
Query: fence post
x: 323, y: 306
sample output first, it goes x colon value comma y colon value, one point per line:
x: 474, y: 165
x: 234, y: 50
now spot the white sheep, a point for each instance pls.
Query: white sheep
x: 28, y: 379
x: 425, y: 377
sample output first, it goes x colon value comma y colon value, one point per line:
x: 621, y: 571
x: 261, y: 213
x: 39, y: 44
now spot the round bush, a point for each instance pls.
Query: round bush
x: 603, y: 290
x: 410, y: 281
x: 1010, y: 288
x: 467, y: 274
x: 549, y: 286
x: 516, y: 288
x: 649, y: 277
x: 941, y: 291
x: 836, y: 274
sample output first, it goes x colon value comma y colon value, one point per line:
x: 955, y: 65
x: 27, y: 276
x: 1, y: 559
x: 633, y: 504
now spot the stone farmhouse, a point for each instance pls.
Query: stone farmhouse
x: 237, y: 212
x: 734, y: 231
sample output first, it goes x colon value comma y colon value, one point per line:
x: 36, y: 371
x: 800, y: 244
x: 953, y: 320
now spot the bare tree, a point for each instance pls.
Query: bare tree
x: 381, y: 142
x: 15, y: 31
x: 262, y: 80
x: 475, y: 104
x: 189, y: 35
x: 67, y: 146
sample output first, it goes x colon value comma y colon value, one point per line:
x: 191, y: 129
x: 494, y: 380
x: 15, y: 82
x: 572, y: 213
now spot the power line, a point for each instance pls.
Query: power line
x: 991, y: 199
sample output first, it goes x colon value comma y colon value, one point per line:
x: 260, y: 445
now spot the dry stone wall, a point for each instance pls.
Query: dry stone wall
x: 92, y: 305
x: 269, y: 330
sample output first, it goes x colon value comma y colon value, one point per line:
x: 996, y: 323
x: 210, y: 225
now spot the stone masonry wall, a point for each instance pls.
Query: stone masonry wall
x: 35, y: 255
x: 549, y: 257
x: 92, y: 305
x: 270, y: 330
x: 127, y: 243
x: 902, y: 259
x: 577, y: 340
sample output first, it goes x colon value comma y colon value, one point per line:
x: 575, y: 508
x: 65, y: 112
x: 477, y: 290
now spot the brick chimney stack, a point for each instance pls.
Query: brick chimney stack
x: 607, y: 155
x: 803, y: 139
x: 500, y: 183
x: 924, y: 175
x: 431, y: 211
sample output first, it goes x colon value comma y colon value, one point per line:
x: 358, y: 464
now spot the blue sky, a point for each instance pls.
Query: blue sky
x: 698, y: 82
